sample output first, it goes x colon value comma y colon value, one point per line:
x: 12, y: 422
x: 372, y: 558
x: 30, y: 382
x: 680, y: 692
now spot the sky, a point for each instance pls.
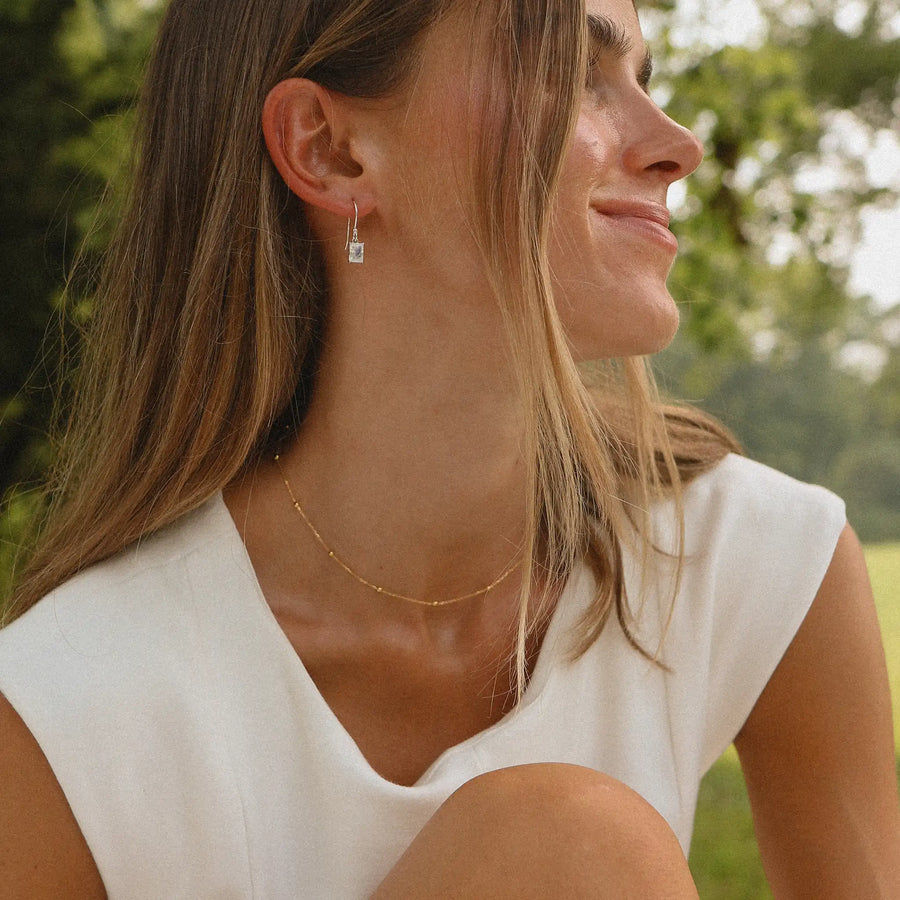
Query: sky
x: 876, y: 263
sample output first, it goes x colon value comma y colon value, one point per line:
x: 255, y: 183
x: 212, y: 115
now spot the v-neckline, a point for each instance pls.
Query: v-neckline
x: 547, y: 657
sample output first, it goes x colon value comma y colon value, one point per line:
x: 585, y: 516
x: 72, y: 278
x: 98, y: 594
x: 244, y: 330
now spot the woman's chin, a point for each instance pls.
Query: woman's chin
x: 636, y: 333
x: 664, y: 334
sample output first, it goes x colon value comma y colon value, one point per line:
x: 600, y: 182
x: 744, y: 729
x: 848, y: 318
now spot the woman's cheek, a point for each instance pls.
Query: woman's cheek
x: 587, y: 160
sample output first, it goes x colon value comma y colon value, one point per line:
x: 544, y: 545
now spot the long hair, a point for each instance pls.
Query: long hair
x: 213, y: 297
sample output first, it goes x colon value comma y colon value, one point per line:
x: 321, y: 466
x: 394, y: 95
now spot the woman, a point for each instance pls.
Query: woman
x: 330, y: 413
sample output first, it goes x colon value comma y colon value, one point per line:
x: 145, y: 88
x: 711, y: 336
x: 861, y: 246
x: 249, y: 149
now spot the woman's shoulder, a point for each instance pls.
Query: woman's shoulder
x: 741, y: 494
x: 147, y: 564
x: 748, y: 531
x: 115, y: 670
x: 133, y: 627
x: 756, y: 542
x: 146, y: 582
x: 757, y: 545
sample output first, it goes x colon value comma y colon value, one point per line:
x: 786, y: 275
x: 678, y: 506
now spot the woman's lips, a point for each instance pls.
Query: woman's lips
x: 648, y: 219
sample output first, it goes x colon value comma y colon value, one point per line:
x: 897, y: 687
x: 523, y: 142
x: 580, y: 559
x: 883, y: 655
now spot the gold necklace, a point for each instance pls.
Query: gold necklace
x: 364, y: 581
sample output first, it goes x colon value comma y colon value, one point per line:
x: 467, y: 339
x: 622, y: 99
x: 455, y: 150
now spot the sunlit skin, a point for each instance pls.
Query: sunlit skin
x: 409, y: 463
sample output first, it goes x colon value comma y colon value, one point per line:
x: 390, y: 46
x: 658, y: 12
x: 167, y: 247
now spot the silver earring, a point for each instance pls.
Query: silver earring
x: 356, y: 249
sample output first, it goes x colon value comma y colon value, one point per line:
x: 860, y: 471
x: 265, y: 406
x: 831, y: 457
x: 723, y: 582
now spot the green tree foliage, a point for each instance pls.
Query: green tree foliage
x: 766, y: 230
x: 69, y: 74
x: 38, y: 114
x: 797, y: 406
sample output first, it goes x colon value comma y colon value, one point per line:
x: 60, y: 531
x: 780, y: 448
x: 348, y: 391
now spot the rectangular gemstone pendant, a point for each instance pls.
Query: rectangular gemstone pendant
x: 357, y: 251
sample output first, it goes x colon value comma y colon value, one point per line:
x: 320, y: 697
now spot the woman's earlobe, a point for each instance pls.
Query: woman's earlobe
x: 305, y: 136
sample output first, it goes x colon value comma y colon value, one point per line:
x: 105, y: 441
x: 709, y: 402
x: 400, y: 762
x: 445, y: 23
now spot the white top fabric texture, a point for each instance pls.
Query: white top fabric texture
x: 201, y: 761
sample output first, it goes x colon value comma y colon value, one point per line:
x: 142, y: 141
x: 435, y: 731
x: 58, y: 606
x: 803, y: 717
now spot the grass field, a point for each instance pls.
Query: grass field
x: 724, y: 858
x: 884, y: 567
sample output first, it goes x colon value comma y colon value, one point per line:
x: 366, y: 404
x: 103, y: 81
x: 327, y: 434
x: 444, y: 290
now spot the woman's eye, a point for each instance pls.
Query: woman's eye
x: 593, y: 69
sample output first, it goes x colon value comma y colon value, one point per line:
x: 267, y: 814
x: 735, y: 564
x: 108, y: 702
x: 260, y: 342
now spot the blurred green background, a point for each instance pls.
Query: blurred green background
x: 795, y: 101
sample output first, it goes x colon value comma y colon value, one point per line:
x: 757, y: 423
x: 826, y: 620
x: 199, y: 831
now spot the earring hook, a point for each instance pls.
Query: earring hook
x: 353, y: 244
x: 355, y: 223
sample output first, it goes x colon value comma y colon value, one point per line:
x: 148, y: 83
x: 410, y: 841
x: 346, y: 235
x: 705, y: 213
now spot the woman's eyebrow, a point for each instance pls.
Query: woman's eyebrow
x: 606, y: 36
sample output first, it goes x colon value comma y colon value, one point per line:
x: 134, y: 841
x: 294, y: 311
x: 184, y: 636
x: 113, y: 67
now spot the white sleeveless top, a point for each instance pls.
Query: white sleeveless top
x: 201, y: 761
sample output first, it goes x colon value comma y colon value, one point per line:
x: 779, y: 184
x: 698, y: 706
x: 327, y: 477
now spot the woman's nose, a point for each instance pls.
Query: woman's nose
x: 662, y: 145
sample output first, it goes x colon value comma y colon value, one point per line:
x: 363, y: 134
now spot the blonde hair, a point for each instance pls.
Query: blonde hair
x: 205, y: 331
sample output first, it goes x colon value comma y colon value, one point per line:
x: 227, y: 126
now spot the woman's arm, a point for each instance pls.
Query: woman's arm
x: 43, y: 855
x: 818, y: 753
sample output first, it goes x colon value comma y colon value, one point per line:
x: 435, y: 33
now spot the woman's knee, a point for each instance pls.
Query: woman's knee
x: 554, y: 789
x: 570, y: 811
x: 547, y: 830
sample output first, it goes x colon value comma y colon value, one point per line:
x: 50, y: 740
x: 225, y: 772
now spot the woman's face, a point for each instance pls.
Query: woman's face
x: 611, y: 249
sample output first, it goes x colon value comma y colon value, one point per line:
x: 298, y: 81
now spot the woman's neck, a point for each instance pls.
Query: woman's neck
x: 410, y: 457
x: 409, y: 462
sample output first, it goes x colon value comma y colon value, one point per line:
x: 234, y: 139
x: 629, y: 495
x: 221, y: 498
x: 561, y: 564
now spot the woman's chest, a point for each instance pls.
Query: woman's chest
x: 404, y: 706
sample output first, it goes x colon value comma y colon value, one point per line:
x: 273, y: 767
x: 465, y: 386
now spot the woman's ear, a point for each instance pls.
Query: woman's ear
x: 307, y: 133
